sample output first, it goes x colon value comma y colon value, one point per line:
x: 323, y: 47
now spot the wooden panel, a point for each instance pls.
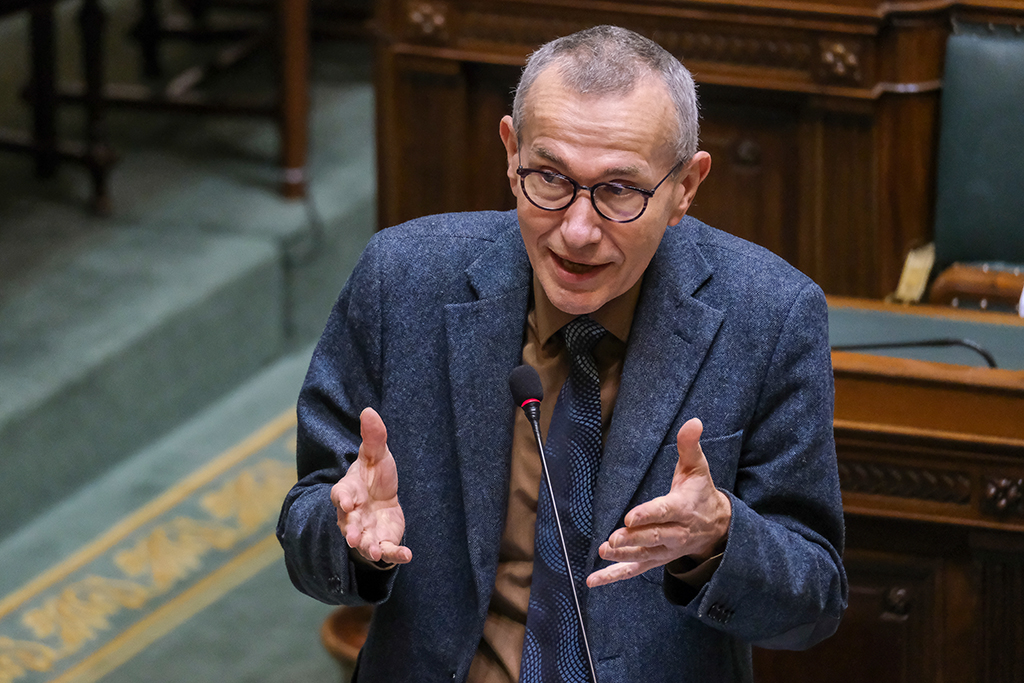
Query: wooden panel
x: 490, y: 98
x: 753, y: 146
x: 892, y: 614
x: 422, y: 160
x: 1001, y: 583
x: 821, y: 116
x: 931, y: 462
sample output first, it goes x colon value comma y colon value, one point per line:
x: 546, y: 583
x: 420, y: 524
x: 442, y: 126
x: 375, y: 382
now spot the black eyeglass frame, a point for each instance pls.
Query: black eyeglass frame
x: 576, y: 187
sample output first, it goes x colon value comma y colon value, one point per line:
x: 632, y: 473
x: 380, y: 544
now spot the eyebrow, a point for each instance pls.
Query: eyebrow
x: 629, y: 171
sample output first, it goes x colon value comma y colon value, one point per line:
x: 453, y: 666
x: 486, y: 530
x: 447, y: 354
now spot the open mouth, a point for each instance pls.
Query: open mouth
x: 574, y: 267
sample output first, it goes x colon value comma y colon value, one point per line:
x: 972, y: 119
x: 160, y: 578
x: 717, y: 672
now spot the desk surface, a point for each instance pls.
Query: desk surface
x: 858, y: 321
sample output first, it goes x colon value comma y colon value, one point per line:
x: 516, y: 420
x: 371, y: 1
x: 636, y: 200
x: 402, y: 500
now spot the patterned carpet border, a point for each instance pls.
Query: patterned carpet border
x: 157, y: 567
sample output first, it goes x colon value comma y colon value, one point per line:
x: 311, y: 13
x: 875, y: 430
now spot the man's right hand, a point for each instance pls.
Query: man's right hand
x: 367, y: 498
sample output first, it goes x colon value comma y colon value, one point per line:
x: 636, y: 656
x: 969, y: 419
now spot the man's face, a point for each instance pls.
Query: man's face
x: 581, y: 259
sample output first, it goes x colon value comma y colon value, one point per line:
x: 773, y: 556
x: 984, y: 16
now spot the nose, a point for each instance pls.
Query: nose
x: 581, y: 224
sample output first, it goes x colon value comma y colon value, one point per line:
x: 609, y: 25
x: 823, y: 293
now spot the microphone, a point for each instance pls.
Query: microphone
x: 527, y: 390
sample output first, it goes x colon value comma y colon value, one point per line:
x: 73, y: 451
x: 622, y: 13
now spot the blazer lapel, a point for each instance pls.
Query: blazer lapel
x: 485, y: 342
x: 670, y: 337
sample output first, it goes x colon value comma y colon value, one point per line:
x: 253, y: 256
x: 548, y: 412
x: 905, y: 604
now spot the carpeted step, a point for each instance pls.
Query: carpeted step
x: 114, y: 330
x: 166, y: 568
x: 119, y: 340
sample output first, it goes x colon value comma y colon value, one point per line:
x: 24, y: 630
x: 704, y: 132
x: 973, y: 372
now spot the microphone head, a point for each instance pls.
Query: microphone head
x: 525, y: 385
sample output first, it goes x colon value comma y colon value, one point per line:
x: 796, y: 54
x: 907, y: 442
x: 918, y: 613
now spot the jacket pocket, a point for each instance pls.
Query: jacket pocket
x: 722, y: 454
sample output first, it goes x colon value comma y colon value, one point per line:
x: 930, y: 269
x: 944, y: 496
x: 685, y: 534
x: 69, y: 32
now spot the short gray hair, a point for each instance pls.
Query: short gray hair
x: 612, y: 60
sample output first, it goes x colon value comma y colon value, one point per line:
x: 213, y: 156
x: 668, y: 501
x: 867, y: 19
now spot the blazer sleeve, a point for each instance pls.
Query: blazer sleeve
x: 344, y: 377
x: 781, y: 582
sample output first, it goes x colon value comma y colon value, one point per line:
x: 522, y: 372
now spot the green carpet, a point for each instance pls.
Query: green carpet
x: 155, y: 569
x: 189, y: 585
x: 114, y: 330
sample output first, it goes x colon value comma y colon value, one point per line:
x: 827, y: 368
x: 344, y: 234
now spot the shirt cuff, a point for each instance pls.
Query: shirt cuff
x: 693, y: 573
x: 379, y: 564
x: 684, y: 578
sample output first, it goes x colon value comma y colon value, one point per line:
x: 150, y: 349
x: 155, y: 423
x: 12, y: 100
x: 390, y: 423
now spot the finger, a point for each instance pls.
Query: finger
x: 354, y: 536
x: 342, y: 497
x: 660, y: 510
x: 656, y: 554
x: 688, y: 444
x: 395, y: 554
x: 347, y: 494
x: 374, y: 435
x: 618, y: 572
x: 649, y: 536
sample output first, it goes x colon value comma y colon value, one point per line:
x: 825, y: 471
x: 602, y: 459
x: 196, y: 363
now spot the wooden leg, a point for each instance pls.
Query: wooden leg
x: 147, y: 33
x: 294, y: 103
x: 92, y: 20
x: 43, y: 91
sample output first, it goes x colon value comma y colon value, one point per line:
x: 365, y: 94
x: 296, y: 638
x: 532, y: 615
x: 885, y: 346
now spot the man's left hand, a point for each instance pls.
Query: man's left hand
x: 691, y: 520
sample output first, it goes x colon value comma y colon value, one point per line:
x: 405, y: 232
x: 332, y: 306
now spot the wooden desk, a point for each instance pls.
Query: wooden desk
x: 931, y: 462
x: 42, y: 143
x: 821, y: 117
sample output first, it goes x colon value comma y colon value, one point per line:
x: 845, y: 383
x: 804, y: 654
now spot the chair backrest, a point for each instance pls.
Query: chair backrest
x: 979, y: 210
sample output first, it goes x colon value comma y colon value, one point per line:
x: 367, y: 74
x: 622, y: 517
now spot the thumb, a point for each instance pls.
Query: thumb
x: 688, y: 444
x: 374, y: 435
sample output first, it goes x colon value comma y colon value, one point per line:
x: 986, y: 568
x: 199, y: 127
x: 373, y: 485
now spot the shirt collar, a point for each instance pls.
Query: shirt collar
x: 616, y: 316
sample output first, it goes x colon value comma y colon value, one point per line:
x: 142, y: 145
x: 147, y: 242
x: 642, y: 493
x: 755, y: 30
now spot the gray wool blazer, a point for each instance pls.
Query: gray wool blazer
x: 426, y: 331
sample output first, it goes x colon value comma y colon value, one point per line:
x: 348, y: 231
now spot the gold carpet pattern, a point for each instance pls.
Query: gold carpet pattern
x: 153, y: 570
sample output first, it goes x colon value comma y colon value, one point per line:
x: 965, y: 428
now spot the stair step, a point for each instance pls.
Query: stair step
x: 114, y: 330
x: 127, y: 337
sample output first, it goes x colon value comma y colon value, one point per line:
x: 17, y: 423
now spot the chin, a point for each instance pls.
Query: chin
x: 577, y: 305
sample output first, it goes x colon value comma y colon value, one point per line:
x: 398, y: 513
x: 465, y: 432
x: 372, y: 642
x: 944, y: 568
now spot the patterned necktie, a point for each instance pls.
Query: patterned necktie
x: 553, y: 650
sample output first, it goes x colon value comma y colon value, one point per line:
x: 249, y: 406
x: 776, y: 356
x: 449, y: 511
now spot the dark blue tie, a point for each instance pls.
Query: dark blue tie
x: 553, y: 649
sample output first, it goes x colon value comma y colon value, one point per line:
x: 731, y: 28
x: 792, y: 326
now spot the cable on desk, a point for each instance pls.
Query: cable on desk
x: 949, y: 341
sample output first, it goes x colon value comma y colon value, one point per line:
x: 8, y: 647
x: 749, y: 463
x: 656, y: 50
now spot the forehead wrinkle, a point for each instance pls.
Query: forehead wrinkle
x: 548, y: 155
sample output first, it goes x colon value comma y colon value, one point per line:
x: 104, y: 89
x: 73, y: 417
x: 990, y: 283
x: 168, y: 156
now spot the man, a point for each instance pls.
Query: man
x: 419, y: 478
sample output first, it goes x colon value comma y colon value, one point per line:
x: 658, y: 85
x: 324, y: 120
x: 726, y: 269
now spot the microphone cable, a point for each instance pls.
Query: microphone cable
x: 950, y: 341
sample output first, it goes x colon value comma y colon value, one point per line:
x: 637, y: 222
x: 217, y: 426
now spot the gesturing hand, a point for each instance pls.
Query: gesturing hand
x: 692, y: 519
x: 367, y: 497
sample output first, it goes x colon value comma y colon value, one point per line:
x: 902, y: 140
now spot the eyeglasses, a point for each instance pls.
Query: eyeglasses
x: 615, y: 202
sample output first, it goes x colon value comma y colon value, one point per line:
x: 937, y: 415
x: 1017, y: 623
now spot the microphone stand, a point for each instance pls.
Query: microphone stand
x: 532, y: 409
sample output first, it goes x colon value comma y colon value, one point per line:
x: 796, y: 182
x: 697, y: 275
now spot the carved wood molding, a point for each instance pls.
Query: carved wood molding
x: 1003, y: 497
x: 510, y: 29
x: 841, y: 61
x: 825, y: 49
x: 428, y: 20
x: 942, y: 486
x: 727, y: 45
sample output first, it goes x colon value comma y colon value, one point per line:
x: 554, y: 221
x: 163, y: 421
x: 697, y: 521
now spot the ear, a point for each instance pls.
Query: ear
x: 690, y: 178
x: 510, y: 139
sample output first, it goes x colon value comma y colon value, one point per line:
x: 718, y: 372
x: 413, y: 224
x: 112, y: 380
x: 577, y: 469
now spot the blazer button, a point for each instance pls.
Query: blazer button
x: 720, y: 613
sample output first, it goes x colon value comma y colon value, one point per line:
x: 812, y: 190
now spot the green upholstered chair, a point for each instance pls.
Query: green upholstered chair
x: 979, y: 211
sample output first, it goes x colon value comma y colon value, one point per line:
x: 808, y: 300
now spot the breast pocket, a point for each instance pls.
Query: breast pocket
x: 722, y: 454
